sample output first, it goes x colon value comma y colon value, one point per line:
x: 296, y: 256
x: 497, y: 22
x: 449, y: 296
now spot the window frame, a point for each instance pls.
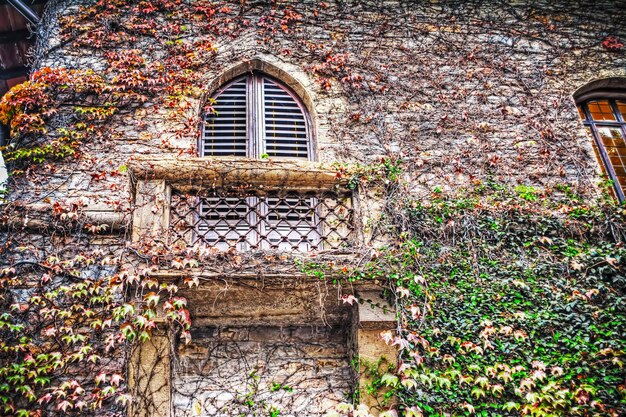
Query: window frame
x: 593, y: 125
x: 256, y: 142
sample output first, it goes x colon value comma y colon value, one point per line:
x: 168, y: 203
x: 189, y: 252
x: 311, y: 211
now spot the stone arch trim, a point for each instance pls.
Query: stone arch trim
x: 257, y: 64
x: 608, y: 87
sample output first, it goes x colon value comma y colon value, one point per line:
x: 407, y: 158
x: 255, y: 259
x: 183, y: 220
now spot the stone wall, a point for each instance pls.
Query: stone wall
x: 459, y: 92
x: 247, y: 370
x: 448, y: 86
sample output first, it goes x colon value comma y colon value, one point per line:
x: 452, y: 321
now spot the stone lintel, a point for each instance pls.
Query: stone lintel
x: 269, y: 302
x: 186, y: 173
x: 264, y: 278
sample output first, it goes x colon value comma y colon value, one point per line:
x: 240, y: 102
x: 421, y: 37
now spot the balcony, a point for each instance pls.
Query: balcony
x: 243, y: 204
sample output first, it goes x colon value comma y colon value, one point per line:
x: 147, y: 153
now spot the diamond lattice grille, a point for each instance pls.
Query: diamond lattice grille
x: 284, y: 221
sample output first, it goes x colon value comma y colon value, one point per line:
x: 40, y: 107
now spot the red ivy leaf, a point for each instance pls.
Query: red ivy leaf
x: 612, y: 43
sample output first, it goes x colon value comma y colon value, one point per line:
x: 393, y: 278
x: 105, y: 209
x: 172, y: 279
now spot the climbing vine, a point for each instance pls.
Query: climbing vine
x: 508, y: 304
x: 509, y: 293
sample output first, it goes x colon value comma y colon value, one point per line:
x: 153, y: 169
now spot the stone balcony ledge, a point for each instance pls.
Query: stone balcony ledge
x: 270, y: 174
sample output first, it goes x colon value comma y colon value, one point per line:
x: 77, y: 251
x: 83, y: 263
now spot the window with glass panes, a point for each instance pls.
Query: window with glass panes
x: 605, y: 120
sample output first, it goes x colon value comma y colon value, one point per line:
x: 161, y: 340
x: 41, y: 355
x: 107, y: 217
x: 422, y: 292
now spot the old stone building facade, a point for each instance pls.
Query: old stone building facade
x: 206, y: 151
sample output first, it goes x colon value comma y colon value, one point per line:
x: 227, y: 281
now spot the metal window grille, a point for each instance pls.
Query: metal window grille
x: 605, y: 120
x: 284, y: 221
x: 255, y: 115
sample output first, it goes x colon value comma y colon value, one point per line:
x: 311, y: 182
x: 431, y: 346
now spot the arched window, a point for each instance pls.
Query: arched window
x: 605, y: 119
x: 256, y: 116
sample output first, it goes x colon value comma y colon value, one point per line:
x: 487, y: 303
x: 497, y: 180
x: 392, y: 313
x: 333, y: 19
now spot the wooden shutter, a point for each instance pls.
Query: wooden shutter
x: 285, y: 132
x: 253, y: 116
x: 225, y: 131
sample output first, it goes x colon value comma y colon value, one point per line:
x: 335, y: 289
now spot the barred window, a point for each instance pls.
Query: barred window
x: 277, y: 220
x: 604, y: 119
x: 255, y: 116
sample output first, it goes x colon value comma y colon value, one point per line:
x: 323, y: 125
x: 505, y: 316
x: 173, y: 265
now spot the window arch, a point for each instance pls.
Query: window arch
x: 602, y: 107
x: 256, y: 116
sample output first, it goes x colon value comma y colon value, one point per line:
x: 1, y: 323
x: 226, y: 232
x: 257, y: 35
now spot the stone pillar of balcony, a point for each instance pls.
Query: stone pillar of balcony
x: 149, y: 377
x: 376, y: 357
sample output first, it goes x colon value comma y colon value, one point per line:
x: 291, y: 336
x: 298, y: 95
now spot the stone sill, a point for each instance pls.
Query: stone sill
x: 186, y: 173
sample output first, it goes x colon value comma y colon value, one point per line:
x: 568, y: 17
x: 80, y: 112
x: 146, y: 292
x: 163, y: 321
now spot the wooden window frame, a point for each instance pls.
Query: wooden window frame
x: 593, y: 125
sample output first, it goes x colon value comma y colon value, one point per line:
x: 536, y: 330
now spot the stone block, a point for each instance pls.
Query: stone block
x: 149, y: 378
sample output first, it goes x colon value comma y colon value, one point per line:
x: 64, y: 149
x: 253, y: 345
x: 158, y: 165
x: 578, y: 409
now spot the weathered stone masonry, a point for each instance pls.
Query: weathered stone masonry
x: 458, y: 91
